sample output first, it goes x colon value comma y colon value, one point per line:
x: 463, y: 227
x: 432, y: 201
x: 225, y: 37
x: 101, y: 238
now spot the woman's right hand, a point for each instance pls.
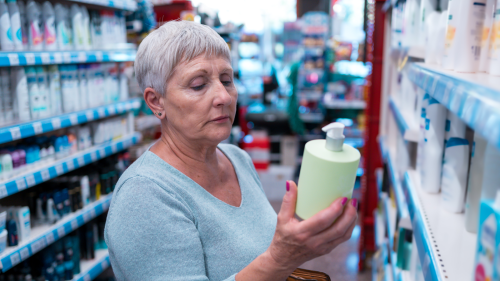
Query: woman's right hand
x: 296, y: 242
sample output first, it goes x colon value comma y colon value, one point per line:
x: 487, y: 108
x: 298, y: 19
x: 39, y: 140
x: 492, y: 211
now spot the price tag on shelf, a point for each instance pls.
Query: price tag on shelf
x: 37, y: 127
x: 82, y: 57
x: 90, y: 115
x: 15, y: 259
x: 58, y: 58
x: 3, y: 191
x: 45, y: 175
x: 71, y: 165
x: 30, y: 58
x: 102, y: 152
x: 111, y: 110
x: 86, y: 217
x: 25, y: 253
x: 37, y: 245
x: 92, y: 213
x: 119, y: 107
x: 93, y: 156
x: 50, y: 238
x: 67, y: 57
x: 30, y: 180
x: 15, y: 133
x: 21, y: 184
x: 98, y: 56
x: 45, y: 58
x: 61, y: 232
x: 101, y: 112
x: 13, y: 59
x: 81, y: 161
x: 87, y: 278
x: 56, y: 123
x: 114, y: 149
x: 73, y: 118
x: 128, y: 106
x: 104, y: 264
x: 74, y: 224
x: 59, y: 170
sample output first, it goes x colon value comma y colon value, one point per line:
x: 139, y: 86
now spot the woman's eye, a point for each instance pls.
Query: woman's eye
x: 198, y: 88
x: 227, y: 83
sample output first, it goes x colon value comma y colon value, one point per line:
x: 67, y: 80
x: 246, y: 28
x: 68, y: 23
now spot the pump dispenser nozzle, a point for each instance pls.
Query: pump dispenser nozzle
x: 334, y: 136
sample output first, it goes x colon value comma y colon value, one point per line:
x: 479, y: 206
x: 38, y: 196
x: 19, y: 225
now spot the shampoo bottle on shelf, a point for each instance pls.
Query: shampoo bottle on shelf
x: 494, y: 55
x: 62, y: 30
x: 24, y: 23
x: 451, y: 33
x: 20, y: 87
x: 35, y: 36
x: 486, y: 38
x: 55, y: 90
x: 49, y: 23
x: 6, y: 42
x: 328, y: 172
x: 15, y: 25
x: 475, y: 182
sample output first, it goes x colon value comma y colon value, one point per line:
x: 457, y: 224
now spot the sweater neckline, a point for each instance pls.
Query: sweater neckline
x: 212, y: 197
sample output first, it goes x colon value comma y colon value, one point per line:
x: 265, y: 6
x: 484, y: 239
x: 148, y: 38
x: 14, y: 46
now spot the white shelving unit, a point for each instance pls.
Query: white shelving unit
x: 44, y: 235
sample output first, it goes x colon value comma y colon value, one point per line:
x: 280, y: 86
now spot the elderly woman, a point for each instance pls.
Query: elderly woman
x: 191, y: 208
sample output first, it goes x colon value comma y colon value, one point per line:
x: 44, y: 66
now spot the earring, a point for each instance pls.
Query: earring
x: 159, y: 114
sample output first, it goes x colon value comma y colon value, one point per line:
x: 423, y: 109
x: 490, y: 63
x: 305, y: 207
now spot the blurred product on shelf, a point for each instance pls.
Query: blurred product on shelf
x: 62, y: 259
x: 39, y: 26
x: 31, y: 153
x: 32, y: 93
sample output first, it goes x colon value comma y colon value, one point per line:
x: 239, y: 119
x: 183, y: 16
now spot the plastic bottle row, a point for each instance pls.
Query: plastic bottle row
x: 455, y: 161
x: 36, y: 26
x: 465, y: 37
x: 27, y: 154
x: 30, y: 93
x: 61, y: 260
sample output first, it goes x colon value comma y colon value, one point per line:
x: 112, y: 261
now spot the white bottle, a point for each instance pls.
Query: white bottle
x: 468, y: 41
x: 76, y: 86
x: 55, y: 90
x: 421, y: 140
x: 20, y: 87
x: 475, y: 182
x: 62, y: 31
x: 49, y: 23
x: 24, y: 23
x: 426, y: 8
x: 7, y: 97
x: 434, y: 145
x: 82, y: 79
x: 43, y: 89
x: 67, y: 102
x: 494, y: 56
x: 34, y: 93
x: 6, y: 41
x: 85, y: 28
x: 123, y: 82
x: 77, y: 25
x: 485, y: 39
x: 15, y: 25
x: 491, y: 176
x: 35, y: 36
x: 455, y: 165
x: 2, y: 121
x: 451, y: 33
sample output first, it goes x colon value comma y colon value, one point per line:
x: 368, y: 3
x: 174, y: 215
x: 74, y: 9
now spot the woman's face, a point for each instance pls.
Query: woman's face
x: 200, y: 102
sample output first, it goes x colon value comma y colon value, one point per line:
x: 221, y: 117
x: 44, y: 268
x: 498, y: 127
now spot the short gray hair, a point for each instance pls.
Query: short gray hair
x: 169, y: 45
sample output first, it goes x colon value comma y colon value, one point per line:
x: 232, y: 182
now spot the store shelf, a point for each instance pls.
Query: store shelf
x: 383, y: 149
x: 412, y: 52
x: 312, y: 117
x: 446, y: 250
x: 474, y: 97
x: 344, y: 104
x: 90, y: 269
x: 408, y: 129
x: 379, y: 228
x: 390, y: 219
x: 117, y: 4
x: 64, y: 57
x: 394, y: 269
x: 28, y: 129
x: 65, y: 165
x: 402, y: 205
x: 44, y: 235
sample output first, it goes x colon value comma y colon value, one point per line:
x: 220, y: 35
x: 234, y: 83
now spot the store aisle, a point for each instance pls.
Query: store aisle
x: 342, y: 263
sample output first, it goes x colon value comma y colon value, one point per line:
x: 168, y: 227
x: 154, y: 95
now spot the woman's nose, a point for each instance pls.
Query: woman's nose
x: 222, y: 98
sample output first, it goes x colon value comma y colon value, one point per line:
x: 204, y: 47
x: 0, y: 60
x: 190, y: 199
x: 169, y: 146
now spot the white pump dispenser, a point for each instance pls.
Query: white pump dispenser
x: 334, y: 136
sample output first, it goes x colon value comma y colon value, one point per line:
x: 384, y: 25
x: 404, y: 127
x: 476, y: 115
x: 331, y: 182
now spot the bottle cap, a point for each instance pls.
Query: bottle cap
x: 334, y: 136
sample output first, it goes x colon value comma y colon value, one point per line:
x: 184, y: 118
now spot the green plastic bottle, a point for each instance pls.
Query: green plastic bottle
x: 328, y: 172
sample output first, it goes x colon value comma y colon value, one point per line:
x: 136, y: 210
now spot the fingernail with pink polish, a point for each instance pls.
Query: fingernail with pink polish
x: 354, y: 202
x: 344, y: 200
x: 287, y: 186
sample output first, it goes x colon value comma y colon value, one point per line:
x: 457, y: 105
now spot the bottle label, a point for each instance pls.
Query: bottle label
x: 478, y: 15
x: 15, y: 22
x: 50, y: 31
x: 36, y: 35
x: 495, y: 37
x: 5, y: 36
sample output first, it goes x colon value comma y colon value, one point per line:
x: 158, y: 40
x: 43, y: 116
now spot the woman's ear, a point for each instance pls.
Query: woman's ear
x: 155, y: 102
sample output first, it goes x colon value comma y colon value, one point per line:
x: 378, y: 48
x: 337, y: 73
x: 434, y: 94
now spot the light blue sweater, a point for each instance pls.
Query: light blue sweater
x: 163, y: 226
